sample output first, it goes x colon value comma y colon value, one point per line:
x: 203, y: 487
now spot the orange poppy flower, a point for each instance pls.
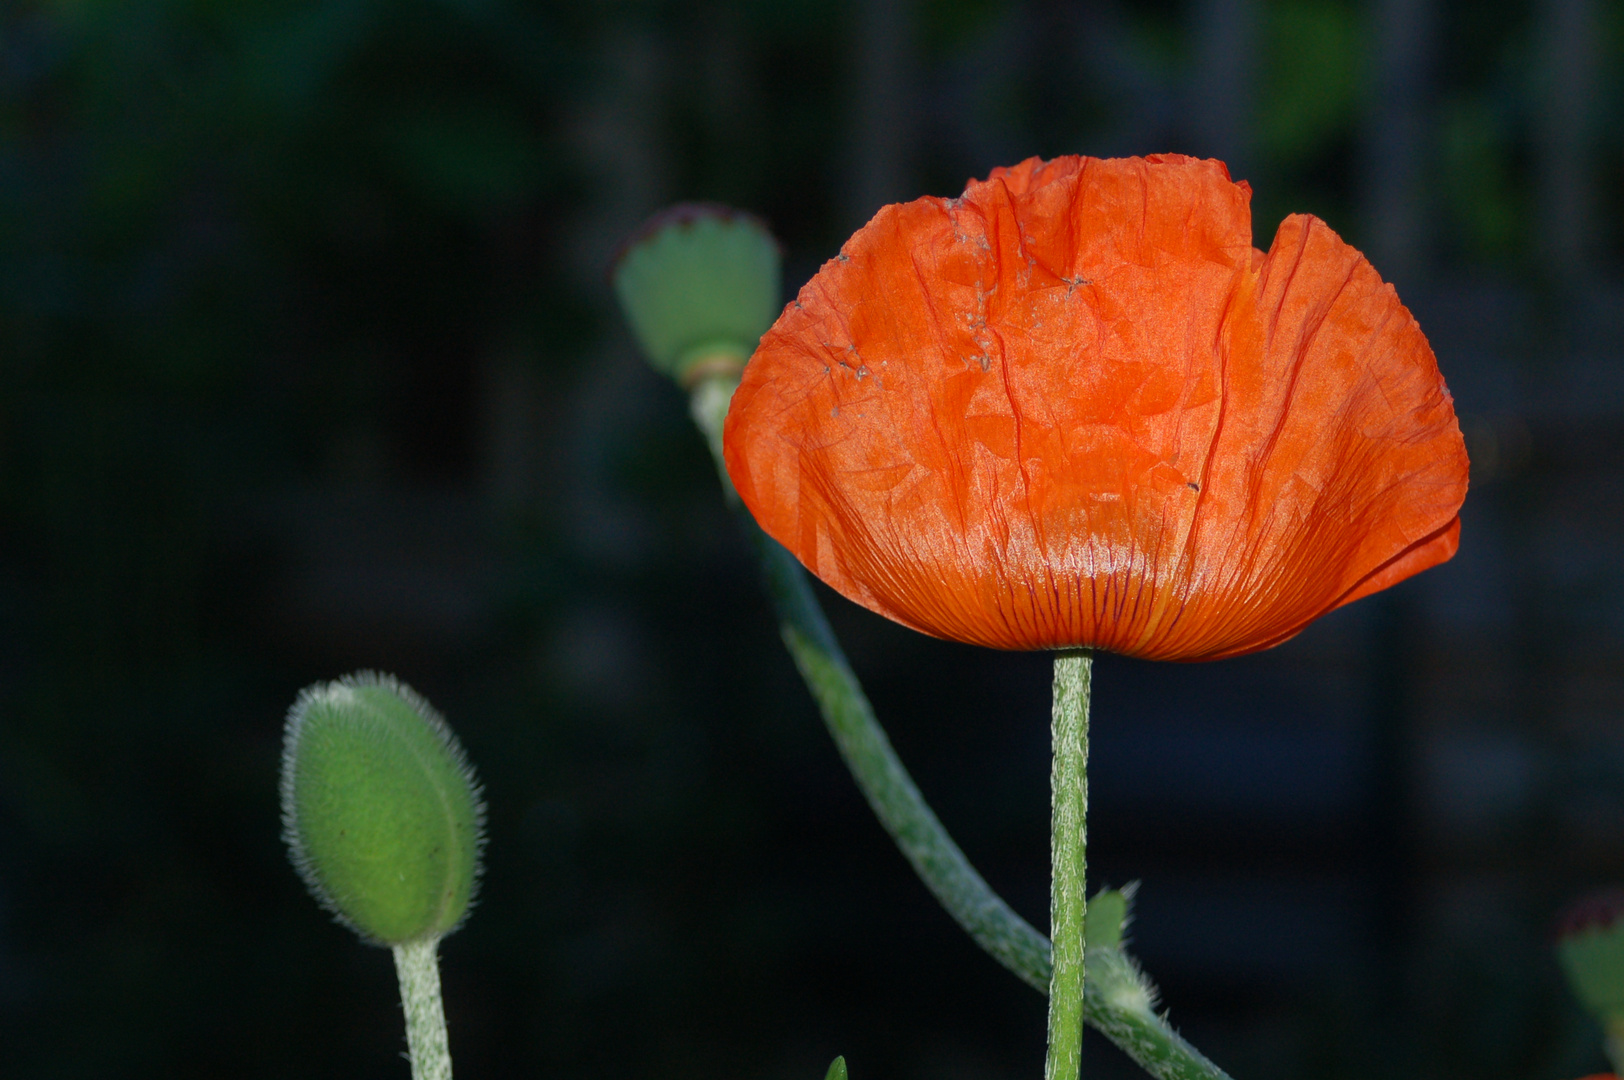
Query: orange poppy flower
x: 1076, y: 407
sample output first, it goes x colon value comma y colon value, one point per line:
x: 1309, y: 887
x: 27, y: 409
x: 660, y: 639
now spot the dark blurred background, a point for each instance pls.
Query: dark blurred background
x: 310, y: 365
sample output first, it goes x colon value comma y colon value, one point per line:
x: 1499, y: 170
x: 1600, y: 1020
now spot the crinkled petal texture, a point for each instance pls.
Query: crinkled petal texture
x: 1076, y: 407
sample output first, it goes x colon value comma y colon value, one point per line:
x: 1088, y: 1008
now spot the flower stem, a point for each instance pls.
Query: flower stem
x: 707, y: 404
x: 884, y: 781
x: 419, y: 971
x: 1117, y: 998
x: 1068, y: 857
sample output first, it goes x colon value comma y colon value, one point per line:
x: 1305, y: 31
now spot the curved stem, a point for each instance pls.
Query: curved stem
x: 419, y: 972
x: 884, y: 781
x: 1117, y: 999
x: 1068, y: 856
x: 1121, y: 1004
x: 863, y: 744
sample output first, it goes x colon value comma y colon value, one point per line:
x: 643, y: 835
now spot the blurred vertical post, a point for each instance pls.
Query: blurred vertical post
x: 1220, y: 104
x: 882, y: 131
x: 1567, y: 73
x: 1396, y: 138
x: 731, y: 107
x: 1394, y: 151
x: 618, y: 133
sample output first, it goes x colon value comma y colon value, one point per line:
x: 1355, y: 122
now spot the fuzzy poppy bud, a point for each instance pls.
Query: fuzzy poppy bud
x: 699, y: 284
x: 380, y: 809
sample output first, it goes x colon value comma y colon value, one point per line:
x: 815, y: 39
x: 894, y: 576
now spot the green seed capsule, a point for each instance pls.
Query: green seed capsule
x: 699, y: 285
x: 380, y: 809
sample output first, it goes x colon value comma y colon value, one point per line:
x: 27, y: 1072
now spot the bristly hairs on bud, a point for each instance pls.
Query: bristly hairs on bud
x: 292, y: 733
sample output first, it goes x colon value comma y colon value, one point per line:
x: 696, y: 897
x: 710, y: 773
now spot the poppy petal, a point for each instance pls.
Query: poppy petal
x: 1075, y: 407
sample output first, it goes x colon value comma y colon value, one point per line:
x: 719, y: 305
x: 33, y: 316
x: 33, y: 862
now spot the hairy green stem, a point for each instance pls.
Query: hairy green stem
x: 1068, y: 861
x: 1121, y: 1005
x: 419, y: 971
x: 1117, y: 999
x: 884, y: 781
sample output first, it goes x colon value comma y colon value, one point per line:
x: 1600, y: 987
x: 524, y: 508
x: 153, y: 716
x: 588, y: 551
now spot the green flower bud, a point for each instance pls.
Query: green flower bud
x: 837, y: 1069
x: 1590, y: 947
x: 699, y: 284
x: 380, y: 809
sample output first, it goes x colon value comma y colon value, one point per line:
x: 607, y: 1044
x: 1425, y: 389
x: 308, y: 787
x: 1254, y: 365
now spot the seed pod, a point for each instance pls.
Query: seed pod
x: 380, y: 809
x: 699, y: 284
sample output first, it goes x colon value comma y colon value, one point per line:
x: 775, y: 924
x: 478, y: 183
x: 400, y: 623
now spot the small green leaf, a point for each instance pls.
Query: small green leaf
x: 837, y: 1069
x: 380, y: 809
x: 699, y: 283
x: 1107, y: 914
